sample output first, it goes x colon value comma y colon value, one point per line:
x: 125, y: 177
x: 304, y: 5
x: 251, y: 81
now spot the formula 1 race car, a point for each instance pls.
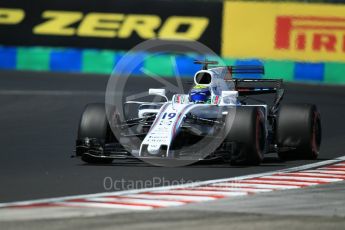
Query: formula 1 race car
x: 216, y: 117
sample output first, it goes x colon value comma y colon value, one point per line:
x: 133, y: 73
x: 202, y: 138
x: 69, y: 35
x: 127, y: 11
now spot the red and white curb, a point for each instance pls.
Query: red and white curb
x: 324, y: 172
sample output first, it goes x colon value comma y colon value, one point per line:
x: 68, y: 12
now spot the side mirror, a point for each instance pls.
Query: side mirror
x: 158, y: 92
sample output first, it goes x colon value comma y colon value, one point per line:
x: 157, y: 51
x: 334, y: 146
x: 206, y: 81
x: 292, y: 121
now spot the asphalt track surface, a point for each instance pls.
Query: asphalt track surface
x: 38, y: 124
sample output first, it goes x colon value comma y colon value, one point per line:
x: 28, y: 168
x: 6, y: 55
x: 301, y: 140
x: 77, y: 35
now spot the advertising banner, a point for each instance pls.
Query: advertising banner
x: 108, y: 24
x: 290, y: 31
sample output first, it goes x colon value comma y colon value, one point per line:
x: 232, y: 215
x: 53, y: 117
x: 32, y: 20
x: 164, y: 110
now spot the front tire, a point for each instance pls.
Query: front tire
x: 94, y: 125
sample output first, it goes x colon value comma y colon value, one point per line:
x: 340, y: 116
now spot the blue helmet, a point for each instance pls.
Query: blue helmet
x: 199, y: 94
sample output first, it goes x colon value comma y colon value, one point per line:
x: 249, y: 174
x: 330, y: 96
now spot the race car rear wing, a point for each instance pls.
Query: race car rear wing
x: 238, y: 69
x: 256, y: 86
x: 247, y: 87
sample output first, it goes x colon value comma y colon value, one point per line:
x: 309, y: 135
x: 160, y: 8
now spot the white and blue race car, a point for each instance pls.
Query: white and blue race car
x: 220, y: 118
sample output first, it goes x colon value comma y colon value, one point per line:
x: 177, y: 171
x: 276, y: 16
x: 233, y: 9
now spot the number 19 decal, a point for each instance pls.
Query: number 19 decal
x: 170, y: 115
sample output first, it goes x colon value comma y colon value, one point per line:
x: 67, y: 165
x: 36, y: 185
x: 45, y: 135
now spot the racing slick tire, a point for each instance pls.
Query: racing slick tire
x: 246, y: 130
x: 94, y: 124
x: 298, y: 132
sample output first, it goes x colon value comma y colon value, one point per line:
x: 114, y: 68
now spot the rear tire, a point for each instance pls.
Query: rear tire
x: 246, y: 129
x: 94, y: 124
x: 298, y: 128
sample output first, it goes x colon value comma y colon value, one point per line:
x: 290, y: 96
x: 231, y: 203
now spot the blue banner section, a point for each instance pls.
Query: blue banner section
x: 185, y: 65
x: 8, y: 56
x: 253, y: 62
x: 68, y: 60
x: 309, y: 71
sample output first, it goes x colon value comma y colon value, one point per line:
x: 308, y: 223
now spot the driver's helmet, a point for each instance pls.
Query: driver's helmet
x: 200, y: 94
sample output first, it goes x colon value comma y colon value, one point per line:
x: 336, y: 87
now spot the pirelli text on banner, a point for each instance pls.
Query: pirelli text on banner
x: 109, y: 24
x: 294, y: 31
